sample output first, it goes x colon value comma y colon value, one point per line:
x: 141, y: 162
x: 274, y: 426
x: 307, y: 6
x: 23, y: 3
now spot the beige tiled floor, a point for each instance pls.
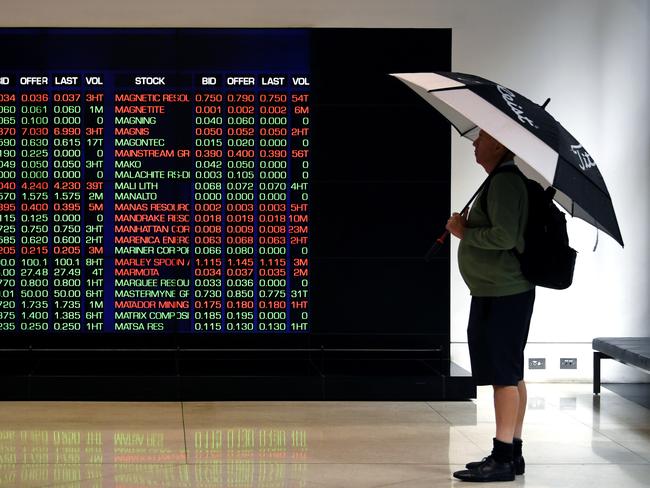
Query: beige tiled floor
x: 572, y: 440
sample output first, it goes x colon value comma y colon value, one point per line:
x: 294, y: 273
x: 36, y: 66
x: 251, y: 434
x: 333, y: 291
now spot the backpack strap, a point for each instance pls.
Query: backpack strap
x: 509, y: 168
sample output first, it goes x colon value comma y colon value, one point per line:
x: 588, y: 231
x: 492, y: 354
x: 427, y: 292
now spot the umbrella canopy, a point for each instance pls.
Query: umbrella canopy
x: 545, y: 150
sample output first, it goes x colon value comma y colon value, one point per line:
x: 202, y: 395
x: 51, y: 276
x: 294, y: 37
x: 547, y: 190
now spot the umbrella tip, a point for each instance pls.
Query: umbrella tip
x: 546, y: 103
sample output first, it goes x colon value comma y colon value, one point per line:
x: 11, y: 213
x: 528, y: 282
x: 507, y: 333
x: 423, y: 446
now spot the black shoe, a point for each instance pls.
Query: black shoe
x: 520, y: 464
x: 488, y: 470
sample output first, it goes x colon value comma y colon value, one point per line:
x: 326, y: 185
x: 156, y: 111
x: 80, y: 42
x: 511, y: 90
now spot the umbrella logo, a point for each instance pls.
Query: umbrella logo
x: 509, y: 97
x: 586, y: 160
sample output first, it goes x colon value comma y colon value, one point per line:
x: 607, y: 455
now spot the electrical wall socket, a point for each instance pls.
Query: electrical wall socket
x: 536, y: 363
x: 568, y: 363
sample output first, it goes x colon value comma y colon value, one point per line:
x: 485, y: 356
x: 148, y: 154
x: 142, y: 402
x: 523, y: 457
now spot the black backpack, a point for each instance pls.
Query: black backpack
x: 547, y: 260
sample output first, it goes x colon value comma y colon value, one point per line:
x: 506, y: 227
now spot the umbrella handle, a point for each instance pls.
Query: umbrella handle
x: 440, y: 241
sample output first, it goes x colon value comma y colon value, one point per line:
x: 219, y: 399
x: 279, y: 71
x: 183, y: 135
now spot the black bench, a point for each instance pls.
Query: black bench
x: 633, y: 351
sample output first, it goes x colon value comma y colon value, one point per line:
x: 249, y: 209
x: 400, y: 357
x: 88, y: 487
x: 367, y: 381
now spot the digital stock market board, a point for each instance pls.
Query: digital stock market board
x: 219, y: 181
x: 196, y: 207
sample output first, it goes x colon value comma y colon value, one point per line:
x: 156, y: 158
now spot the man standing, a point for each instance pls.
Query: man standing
x: 502, y: 304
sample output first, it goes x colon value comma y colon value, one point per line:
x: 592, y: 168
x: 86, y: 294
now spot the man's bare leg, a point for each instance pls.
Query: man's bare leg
x: 523, y: 400
x: 506, y: 409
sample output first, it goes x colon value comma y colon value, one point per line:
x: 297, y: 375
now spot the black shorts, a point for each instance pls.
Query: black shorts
x: 497, y: 334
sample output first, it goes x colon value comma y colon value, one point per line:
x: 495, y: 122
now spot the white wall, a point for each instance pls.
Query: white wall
x: 590, y: 56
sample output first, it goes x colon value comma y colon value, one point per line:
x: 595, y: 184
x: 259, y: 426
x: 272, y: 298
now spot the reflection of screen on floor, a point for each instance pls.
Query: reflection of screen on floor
x: 216, y: 181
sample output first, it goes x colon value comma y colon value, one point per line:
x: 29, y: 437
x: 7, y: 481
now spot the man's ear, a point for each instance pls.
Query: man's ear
x: 499, y: 148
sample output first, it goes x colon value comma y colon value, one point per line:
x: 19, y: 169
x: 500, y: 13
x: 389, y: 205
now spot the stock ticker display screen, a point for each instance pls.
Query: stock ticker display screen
x: 214, y: 181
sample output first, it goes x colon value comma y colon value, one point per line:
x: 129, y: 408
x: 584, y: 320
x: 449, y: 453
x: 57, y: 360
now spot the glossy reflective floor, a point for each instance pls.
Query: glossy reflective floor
x: 572, y: 439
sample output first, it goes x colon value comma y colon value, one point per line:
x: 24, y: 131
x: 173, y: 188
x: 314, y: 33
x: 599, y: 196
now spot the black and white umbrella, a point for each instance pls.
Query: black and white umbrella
x: 545, y: 150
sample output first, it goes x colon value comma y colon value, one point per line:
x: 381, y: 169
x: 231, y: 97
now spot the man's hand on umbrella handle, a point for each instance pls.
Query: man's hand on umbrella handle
x: 457, y: 223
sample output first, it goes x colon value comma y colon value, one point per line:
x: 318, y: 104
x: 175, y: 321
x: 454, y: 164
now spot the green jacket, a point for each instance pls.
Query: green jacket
x: 485, y: 257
